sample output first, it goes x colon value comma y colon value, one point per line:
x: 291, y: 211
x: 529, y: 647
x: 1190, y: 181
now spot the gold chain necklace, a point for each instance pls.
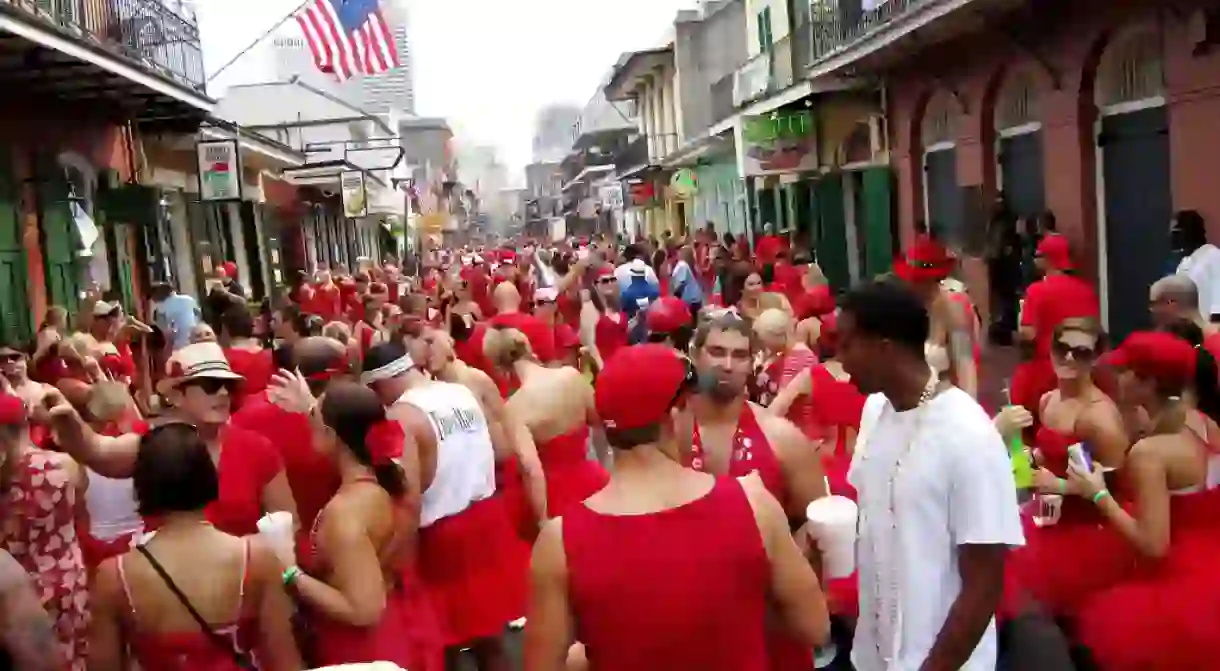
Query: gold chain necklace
x: 880, y: 597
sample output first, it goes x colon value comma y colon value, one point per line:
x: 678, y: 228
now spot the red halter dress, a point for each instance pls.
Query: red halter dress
x: 642, y: 600
x: 571, y: 477
x: 752, y: 453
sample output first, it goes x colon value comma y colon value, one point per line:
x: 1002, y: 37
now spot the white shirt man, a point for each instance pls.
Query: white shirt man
x: 1203, y: 268
x: 624, y: 272
x: 930, y: 480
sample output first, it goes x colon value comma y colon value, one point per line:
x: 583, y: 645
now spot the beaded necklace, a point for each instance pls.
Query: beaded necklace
x: 886, y: 599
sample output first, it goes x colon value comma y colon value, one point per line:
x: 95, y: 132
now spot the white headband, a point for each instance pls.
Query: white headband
x: 390, y: 370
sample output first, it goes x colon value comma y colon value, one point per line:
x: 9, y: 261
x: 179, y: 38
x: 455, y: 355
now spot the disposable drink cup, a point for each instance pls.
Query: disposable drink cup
x: 832, y: 523
x: 278, y: 529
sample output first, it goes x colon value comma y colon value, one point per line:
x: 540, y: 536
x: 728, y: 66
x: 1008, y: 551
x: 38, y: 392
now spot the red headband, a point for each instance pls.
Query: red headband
x: 338, y: 366
x: 384, y: 441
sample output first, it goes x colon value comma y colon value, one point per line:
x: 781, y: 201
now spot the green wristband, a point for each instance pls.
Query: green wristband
x: 1100, y: 495
x: 291, y: 574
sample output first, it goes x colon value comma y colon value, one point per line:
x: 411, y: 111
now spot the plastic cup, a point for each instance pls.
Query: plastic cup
x: 832, y: 524
x: 278, y: 529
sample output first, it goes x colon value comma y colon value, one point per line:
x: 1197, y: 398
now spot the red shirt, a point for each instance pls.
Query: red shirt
x: 326, y: 302
x: 1050, y: 301
x: 311, y: 476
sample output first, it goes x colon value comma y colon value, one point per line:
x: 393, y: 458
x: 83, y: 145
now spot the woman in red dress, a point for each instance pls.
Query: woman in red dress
x: 752, y: 289
x: 1068, y: 555
x: 603, y: 325
x: 154, y: 602
x: 199, y: 386
x: 38, y: 523
x: 620, y: 572
x: 555, y: 407
x: 784, y: 359
x: 359, y: 584
x: 1165, y: 617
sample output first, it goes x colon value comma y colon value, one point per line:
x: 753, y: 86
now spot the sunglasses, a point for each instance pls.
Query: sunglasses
x: 11, y: 357
x: 607, y: 280
x: 1079, y: 353
x: 541, y: 303
x: 211, y: 385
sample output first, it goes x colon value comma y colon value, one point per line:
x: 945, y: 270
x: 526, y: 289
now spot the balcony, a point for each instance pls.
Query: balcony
x: 773, y: 71
x: 140, y: 57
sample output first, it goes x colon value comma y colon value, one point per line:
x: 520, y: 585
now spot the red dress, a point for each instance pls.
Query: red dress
x: 1167, y: 616
x: 40, y: 532
x: 647, y: 596
x: 475, y: 569
x: 838, y: 406
x: 1063, y: 564
x: 752, y: 453
x: 610, y: 334
x: 571, y: 477
x: 408, y: 633
x: 778, y: 374
x: 193, y: 650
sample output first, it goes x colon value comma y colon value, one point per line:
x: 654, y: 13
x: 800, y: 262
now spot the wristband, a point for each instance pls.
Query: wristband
x: 291, y: 574
x: 1097, y: 498
x: 1061, y: 485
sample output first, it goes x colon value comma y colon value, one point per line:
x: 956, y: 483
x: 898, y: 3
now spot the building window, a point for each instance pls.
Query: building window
x: 1019, y: 103
x: 940, y: 120
x: 1132, y: 69
x: 766, y: 38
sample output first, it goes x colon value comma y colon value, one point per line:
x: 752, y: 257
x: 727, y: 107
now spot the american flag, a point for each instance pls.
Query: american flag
x: 348, y: 37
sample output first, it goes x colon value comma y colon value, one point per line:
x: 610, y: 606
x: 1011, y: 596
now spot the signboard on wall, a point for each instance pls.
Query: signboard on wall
x: 355, y: 194
x: 777, y: 143
x: 219, y: 169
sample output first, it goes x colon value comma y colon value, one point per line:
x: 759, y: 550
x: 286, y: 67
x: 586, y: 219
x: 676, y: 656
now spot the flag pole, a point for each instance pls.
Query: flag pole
x: 255, y: 43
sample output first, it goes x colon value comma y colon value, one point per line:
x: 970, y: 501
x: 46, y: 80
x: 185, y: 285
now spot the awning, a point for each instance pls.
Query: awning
x: 591, y: 170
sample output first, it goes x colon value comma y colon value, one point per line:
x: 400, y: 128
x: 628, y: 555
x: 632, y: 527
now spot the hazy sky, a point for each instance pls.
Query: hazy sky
x: 486, y: 65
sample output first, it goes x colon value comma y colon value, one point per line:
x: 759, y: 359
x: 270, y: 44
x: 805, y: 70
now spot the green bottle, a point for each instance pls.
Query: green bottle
x: 1022, y: 469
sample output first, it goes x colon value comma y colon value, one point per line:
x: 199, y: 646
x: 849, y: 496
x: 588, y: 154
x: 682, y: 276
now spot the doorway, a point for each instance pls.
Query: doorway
x: 943, y: 197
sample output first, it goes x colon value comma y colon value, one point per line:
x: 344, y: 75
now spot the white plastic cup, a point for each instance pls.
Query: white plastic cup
x: 832, y: 524
x: 278, y: 529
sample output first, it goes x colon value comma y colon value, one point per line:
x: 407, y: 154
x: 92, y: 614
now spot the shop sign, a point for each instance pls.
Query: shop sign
x: 643, y: 194
x: 219, y: 169
x: 355, y: 195
x: 778, y: 143
x: 684, y: 183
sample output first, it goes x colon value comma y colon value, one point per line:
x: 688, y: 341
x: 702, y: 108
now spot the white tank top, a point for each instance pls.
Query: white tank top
x: 465, y: 462
x: 112, y: 507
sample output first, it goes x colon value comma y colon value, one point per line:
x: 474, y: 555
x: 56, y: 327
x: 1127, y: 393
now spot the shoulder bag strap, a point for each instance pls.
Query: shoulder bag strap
x: 242, y: 659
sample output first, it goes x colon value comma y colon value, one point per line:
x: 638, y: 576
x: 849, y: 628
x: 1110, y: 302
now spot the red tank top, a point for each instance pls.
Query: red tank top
x: 610, y: 335
x: 751, y: 452
x: 647, y: 597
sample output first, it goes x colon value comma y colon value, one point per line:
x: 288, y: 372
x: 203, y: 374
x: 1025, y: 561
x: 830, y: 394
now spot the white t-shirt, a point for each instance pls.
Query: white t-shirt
x: 1203, y: 268
x: 954, y: 487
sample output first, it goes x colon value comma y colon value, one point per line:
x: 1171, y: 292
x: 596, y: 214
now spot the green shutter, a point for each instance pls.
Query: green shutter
x: 832, y: 243
x: 129, y: 209
x: 15, y: 318
x: 60, y: 239
x: 878, y: 217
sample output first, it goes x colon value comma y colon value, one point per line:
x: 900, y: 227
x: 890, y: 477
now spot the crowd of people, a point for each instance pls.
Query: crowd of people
x: 616, y: 447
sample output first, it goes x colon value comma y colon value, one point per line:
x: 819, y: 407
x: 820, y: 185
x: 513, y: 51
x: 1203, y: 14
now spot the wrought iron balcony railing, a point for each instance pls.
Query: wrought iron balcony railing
x: 162, y: 35
x: 839, y: 24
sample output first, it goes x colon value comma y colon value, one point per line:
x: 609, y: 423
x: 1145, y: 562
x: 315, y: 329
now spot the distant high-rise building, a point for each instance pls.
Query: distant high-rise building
x: 377, y: 94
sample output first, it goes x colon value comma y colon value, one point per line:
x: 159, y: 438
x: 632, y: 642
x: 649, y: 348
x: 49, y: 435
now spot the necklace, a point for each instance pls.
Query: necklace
x: 886, y: 597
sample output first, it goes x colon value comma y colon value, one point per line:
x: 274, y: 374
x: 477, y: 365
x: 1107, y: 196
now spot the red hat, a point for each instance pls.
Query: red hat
x: 640, y: 384
x: 816, y: 302
x: 1154, y: 355
x: 1055, y: 250
x: 668, y: 314
x: 230, y: 269
x: 13, y: 410
x: 926, y: 261
x: 603, y: 271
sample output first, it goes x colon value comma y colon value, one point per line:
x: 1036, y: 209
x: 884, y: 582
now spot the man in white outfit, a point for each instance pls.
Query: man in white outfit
x: 938, y: 505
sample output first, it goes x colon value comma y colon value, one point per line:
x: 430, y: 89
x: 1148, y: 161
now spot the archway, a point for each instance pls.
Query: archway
x: 942, y: 198
x: 1134, y: 197
x: 1019, y: 159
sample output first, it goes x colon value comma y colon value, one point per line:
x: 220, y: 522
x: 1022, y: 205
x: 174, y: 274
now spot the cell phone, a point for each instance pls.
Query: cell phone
x: 1079, y: 455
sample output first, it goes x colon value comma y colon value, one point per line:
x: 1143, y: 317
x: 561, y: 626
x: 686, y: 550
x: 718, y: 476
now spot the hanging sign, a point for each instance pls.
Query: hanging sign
x: 355, y: 196
x: 219, y: 170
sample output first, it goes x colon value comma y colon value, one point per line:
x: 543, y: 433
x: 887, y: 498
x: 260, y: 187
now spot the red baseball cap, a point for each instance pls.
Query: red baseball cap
x: 640, y: 384
x: 1154, y: 355
x: 1055, y: 250
x: 668, y: 314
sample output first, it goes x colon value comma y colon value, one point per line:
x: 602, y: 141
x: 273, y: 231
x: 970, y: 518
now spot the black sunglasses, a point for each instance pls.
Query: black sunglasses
x: 690, y: 382
x: 542, y: 302
x: 211, y: 385
x: 1075, y: 353
x: 606, y: 280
